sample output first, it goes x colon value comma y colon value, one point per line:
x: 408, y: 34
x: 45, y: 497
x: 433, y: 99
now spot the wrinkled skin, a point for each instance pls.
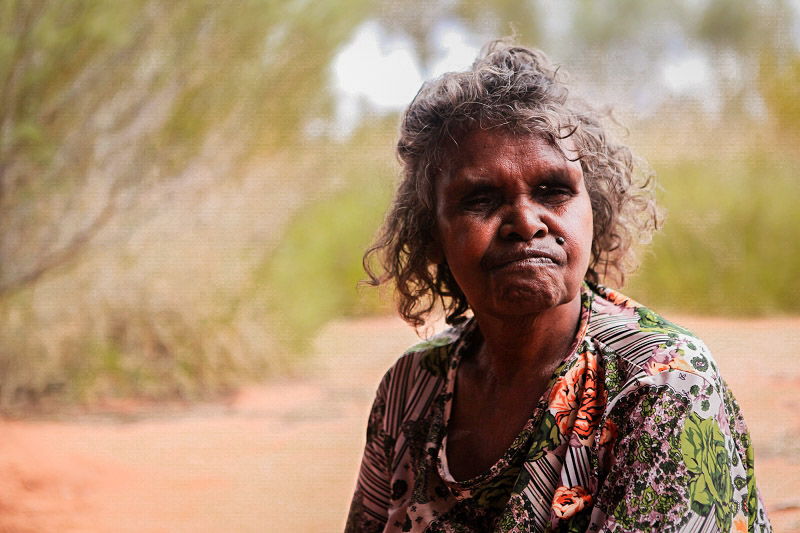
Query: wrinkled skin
x: 501, y: 203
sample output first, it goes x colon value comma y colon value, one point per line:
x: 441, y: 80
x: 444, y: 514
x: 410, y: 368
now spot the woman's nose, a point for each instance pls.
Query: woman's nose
x: 522, y: 221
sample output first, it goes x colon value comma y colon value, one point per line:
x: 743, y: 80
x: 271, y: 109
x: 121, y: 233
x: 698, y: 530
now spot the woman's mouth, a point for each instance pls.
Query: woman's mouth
x: 520, y: 259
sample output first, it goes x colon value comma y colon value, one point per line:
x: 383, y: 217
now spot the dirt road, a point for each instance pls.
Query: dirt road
x: 283, y: 456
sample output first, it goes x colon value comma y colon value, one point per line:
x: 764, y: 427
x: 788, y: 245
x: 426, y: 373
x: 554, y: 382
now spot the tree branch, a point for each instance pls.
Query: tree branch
x: 60, y: 257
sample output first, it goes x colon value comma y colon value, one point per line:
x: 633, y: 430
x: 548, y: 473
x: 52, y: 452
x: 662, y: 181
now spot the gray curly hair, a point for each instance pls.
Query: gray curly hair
x: 516, y: 89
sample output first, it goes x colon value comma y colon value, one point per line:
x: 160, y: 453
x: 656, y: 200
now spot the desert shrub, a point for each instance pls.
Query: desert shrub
x: 313, y: 274
x: 729, y: 245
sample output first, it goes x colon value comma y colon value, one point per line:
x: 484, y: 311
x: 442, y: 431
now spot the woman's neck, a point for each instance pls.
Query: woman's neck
x: 526, y: 346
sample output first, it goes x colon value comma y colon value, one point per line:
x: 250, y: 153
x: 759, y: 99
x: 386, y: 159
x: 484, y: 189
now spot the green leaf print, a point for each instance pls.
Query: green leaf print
x: 545, y: 438
x: 437, y: 360
x: 752, y: 492
x: 648, y: 498
x: 705, y: 456
x: 623, y: 516
x: 644, y: 448
x: 495, y: 494
x: 649, y: 321
x: 578, y: 523
x: 666, y: 502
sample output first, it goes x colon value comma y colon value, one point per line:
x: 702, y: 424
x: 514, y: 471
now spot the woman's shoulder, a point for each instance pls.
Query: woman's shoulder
x: 434, y: 355
x: 427, y: 360
x: 419, y: 375
x: 648, y: 347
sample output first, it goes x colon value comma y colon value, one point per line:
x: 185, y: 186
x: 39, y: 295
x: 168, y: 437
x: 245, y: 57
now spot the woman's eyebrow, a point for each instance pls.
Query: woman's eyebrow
x: 471, y: 179
x: 479, y: 177
x: 555, y: 174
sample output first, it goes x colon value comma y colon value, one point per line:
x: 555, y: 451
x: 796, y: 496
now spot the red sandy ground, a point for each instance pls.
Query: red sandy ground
x: 283, y: 456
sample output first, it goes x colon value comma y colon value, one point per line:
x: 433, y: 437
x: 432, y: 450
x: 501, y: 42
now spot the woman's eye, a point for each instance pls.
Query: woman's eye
x: 554, y: 193
x: 479, y: 201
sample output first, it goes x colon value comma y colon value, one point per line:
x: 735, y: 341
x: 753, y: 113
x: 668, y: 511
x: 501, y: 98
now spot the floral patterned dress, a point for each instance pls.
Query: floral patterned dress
x: 636, y: 431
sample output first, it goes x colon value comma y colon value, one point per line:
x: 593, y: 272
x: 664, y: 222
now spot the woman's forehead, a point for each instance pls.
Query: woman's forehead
x: 476, y: 148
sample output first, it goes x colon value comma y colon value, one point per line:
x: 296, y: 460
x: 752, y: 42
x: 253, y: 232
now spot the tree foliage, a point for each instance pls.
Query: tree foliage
x: 100, y: 98
x: 172, y: 214
x: 122, y: 127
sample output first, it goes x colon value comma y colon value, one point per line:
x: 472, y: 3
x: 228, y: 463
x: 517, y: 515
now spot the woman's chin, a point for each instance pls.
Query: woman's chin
x: 529, y: 299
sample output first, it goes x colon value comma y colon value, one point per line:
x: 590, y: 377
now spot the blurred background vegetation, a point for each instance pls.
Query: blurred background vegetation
x: 186, y: 187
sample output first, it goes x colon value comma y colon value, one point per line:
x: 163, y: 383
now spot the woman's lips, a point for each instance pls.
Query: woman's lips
x: 519, y: 258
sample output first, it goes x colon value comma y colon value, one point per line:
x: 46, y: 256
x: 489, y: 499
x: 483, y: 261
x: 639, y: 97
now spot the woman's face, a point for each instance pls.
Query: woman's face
x: 502, y: 203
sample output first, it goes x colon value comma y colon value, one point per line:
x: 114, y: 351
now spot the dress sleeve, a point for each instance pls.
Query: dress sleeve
x: 681, y: 460
x: 370, y: 505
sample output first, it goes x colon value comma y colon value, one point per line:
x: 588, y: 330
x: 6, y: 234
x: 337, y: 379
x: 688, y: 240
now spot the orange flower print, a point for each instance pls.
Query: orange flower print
x: 605, y: 306
x: 663, y: 360
x: 592, y: 404
x: 618, y: 299
x: 564, y: 397
x: 609, y: 434
x: 740, y: 524
x: 569, y: 500
x: 679, y: 363
x: 578, y: 400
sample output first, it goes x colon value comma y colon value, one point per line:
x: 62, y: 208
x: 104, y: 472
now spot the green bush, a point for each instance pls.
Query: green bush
x: 730, y: 242
x: 313, y: 274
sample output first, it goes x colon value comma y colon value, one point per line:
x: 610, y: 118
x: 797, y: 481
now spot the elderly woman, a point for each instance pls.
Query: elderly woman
x: 553, y: 403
